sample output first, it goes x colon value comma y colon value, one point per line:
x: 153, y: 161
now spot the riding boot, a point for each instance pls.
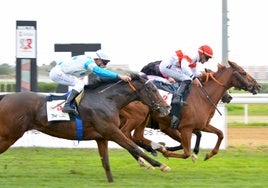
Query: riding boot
x: 174, y: 122
x: 186, y: 94
x: 178, y: 95
x: 67, y: 107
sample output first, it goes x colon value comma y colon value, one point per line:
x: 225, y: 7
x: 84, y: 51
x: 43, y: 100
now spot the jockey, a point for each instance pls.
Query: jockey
x: 184, y: 67
x: 71, y: 71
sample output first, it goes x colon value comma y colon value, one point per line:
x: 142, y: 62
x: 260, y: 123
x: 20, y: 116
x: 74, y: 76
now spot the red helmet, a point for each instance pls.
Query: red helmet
x: 207, y: 50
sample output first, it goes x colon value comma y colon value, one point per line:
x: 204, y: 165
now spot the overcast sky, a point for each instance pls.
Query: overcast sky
x: 137, y: 32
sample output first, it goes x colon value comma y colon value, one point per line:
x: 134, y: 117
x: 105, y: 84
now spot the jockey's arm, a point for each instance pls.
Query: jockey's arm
x: 185, y: 68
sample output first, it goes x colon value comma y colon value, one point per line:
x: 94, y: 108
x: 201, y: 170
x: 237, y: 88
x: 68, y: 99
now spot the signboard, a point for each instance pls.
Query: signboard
x: 26, y: 52
x: 25, y: 42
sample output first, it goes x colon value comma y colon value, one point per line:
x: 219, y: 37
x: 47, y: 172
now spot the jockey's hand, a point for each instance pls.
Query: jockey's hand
x: 171, y: 80
x: 197, y: 82
x: 124, y: 77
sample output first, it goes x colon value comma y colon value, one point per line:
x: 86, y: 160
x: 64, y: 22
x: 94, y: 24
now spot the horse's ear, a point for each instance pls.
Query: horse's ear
x: 220, y: 66
x: 208, y: 70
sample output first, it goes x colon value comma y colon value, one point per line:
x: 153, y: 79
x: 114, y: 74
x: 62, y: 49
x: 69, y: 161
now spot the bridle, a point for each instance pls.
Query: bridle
x: 235, y: 73
x: 210, y: 75
x: 155, y: 105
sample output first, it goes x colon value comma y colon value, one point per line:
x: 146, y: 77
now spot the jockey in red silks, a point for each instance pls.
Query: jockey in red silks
x: 184, y: 67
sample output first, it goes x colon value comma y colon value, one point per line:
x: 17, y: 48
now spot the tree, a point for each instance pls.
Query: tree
x: 6, y: 69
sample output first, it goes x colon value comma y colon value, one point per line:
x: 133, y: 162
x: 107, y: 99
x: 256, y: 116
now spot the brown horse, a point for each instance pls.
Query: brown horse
x: 197, y: 115
x: 99, y: 112
x: 135, y: 117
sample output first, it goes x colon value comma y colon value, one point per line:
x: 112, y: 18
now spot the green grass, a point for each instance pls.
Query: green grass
x: 250, y: 124
x: 253, y: 109
x: 43, y: 167
x: 257, y: 114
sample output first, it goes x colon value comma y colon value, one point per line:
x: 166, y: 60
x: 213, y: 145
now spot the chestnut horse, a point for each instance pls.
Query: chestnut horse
x: 99, y: 112
x: 197, y: 115
x: 137, y: 116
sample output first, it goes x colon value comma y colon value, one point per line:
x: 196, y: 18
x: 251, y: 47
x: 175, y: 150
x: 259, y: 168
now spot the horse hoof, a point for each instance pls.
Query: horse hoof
x: 154, y: 153
x: 143, y: 163
x: 206, y: 157
x: 194, y: 158
x: 165, y: 168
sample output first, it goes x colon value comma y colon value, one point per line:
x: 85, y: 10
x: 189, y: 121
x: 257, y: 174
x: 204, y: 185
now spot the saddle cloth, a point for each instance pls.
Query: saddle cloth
x: 54, y: 105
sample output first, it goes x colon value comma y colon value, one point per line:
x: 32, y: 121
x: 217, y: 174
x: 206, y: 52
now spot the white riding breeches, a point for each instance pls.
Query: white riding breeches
x: 57, y: 75
x: 174, y: 73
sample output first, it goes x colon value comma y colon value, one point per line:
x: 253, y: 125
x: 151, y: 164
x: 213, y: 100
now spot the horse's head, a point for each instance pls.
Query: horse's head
x: 242, y: 80
x: 148, y: 94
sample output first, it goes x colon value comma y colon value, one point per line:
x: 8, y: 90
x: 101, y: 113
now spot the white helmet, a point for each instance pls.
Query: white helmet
x: 102, y: 55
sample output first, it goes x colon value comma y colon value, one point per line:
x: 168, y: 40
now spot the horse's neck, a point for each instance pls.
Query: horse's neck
x: 217, y: 88
x: 123, y: 98
x: 115, y: 97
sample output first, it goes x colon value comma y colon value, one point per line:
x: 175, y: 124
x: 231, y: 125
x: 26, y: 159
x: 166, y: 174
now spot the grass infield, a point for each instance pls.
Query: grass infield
x: 44, y: 167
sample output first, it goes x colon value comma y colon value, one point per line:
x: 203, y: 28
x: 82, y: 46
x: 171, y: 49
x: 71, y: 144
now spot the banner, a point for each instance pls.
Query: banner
x: 26, y: 42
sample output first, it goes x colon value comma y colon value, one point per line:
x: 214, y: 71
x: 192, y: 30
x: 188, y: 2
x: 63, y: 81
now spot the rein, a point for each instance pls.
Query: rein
x: 131, y: 86
x: 210, y: 75
x: 110, y: 86
x: 154, y: 105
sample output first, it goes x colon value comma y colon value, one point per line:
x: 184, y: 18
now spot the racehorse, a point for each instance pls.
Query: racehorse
x: 99, y: 112
x: 136, y: 117
x: 197, y: 115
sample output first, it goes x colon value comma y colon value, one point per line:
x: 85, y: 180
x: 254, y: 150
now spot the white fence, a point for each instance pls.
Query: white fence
x: 35, y: 138
x: 249, y: 99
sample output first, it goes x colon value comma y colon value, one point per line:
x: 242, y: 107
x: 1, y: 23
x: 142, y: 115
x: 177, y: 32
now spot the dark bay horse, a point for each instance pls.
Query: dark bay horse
x: 197, y: 115
x: 99, y: 112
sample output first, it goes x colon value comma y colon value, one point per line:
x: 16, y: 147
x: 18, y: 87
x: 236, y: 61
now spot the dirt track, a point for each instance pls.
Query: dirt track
x: 247, y: 135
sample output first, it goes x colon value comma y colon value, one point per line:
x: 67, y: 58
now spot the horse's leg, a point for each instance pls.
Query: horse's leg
x: 209, y: 128
x: 135, y: 114
x: 184, y: 136
x: 140, y: 140
x: 197, y: 145
x: 103, y: 152
x: 5, y: 143
x: 117, y: 136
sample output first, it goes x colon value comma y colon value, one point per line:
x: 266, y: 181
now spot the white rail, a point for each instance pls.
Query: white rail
x: 35, y: 138
x: 249, y: 99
